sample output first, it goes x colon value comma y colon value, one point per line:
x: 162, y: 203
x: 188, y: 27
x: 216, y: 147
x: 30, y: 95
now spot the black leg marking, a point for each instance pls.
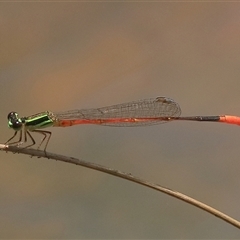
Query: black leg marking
x: 46, y: 138
x: 14, y: 135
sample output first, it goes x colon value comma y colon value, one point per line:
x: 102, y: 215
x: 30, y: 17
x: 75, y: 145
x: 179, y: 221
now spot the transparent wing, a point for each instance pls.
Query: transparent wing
x: 147, y: 111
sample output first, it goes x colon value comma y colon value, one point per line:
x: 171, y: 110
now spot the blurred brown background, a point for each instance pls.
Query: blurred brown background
x: 62, y: 56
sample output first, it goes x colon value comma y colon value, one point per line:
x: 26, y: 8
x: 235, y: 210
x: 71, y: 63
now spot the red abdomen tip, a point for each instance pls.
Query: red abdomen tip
x: 230, y: 119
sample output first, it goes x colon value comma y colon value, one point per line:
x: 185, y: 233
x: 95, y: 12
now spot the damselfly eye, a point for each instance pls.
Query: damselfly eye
x: 12, y: 115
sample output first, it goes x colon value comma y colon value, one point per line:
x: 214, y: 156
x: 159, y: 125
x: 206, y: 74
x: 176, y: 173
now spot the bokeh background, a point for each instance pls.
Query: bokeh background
x: 63, y: 56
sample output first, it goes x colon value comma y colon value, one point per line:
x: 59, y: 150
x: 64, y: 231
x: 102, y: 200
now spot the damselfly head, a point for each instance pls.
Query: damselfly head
x: 14, y: 121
